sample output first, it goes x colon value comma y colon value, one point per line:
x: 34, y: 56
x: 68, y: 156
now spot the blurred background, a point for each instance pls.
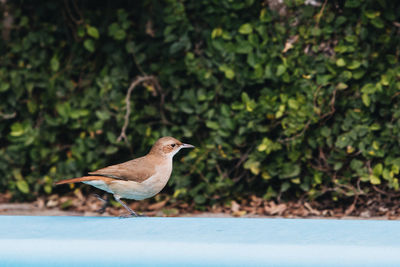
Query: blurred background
x: 293, y: 105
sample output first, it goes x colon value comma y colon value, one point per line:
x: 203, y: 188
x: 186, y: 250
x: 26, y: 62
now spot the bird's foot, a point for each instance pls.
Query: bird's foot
x: 130, y: 215
x: 106, y: 202
x: 101, y: 210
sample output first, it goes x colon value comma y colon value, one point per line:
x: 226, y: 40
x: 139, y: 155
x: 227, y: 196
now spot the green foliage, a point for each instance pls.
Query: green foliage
x: 301, y: 103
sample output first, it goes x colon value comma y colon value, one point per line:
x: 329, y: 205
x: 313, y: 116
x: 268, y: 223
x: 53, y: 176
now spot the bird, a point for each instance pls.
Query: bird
x: 136, y: 179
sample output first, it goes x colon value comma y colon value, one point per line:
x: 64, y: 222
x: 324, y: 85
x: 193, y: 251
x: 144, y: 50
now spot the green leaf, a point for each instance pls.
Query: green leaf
x: 377, y: 170
x: 342, y: 86
x: 340, y: 62
x: 199, y: 199
x: 23, y: 186
x: 281, y: 110
x: 93, y: 32
x: 229, y: 73
x: 246, y: 28
x: 120, y: 34
x: 113, y: 28
x: 89, y: 45
x: 293, y: 104
x: 356, y: 164
x: 371, y: 14
x: 63, y: 109
x: 111, y: 150
x: 268, y: 146
x: 352, y: 3
x: 285, y: 186
x: 290, y: 170
x: 253, y: 166
x: 244, y: 48
x: 17, y: 129
x: 216, y: 33
x: 54, y: 64
x: 280, y: 70
x: 17, y: 174
x: 368, y: 88
x: 48, y: 189
x: 384, y: 80
x: 343, y: 141
x: 103, y: 115
x: 387, y: 174
x: 4, y: 87
x: 80, y: 31
x: 366, y: 100
x: 378, y: 23
x: 374, y: 179
x: 355, y: 64
x: 212, y: 125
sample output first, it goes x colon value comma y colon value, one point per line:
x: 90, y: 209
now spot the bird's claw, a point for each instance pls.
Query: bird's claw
x: 130, y: 215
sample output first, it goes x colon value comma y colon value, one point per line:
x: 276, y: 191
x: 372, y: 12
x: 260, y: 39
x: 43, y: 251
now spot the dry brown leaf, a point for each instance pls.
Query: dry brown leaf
x: 40, y: 203
x: 311, y: 209
x: 350, y: 209
x: 239, y: 213
x: 289, y: 43
x: 158, y: 205
x: 52, y: 203
x: 273, y: 209
x: 365, y: 214
x: 234, y: 206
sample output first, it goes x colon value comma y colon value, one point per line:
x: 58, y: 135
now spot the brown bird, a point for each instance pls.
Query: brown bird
x: 139, y: 178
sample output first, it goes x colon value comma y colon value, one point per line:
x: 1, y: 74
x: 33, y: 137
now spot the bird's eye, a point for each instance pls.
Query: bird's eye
x: 173, y: 145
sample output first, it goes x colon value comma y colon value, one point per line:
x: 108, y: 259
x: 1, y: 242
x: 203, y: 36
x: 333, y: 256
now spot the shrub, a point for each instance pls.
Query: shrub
x: 282, y: 100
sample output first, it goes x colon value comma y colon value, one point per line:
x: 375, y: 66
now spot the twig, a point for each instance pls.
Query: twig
x: 332, y: 104
x: 316, y: 95
x: 242, y: 158
x: 321, y: 12
x: 351, y: 208
x: 396, y: 94
x: 221, y: 174
x: 380, y: 190
x: 138, y: 65
x: 285, y: 140
x: 78, y: 20
x: 7, y: 116
x: 136, y: 82
x: 8, y: 20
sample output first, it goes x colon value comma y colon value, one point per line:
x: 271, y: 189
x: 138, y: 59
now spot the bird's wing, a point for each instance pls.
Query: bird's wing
x: 137, y: 170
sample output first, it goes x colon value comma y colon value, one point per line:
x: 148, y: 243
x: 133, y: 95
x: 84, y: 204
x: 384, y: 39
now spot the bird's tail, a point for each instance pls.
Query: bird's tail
x: 82, y: 179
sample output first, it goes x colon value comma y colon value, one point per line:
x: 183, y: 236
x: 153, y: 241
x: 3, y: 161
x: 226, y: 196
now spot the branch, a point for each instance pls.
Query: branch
x: 8, y: 20
x: 7, y: 116
x: 288, y: 139
x: 332, y: 104
x: 136, y: 82
x: 320, y: 13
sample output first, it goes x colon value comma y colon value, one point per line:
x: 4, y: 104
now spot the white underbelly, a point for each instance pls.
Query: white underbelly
x: 98, y: 184
x: 133, y: 190
x: 138, y: 191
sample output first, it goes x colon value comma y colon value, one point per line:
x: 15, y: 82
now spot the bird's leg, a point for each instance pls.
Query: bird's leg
x: 132, y: 213
x: 106, y: 202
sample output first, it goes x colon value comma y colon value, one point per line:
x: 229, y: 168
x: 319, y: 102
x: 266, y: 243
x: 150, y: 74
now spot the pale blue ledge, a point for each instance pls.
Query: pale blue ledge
x: 106, y: 241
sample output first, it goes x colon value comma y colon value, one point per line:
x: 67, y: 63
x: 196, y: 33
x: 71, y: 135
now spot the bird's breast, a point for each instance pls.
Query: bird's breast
x: 148, y: 188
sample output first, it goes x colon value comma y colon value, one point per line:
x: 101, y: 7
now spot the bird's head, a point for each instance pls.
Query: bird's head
x: 168, y: 146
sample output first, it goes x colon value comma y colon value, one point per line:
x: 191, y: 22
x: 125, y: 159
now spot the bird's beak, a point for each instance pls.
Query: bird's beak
x: 187, y: 146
